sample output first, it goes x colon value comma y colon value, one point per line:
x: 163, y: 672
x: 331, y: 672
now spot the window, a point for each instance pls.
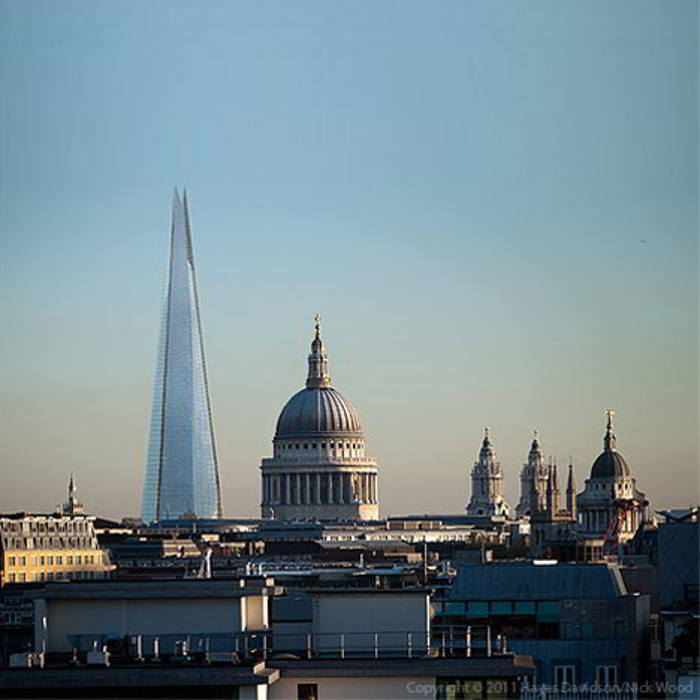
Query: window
x: 10, y: 561
x: 478, y: 609
x: 547, y: 611
x: 454, y: 608
x: 11, y: 578
x: 22, y: 577
x: 69, y: 559
x: 78, y: 559
x: 59, y: 560
x: 564, y: 676
x: 49, y: 560
x: 606, y: 676
x: 501, y: 607
x: 23, y: 561
x: 33, y: 561
x: 307, y: 691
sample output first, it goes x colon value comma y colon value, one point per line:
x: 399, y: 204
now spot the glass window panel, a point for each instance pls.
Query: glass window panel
x: 478, y: 609
x: 547, y: 611
x: 501, y: 607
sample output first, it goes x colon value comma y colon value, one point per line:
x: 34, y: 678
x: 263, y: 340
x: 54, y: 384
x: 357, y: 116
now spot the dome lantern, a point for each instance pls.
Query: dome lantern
x: 318, y: 361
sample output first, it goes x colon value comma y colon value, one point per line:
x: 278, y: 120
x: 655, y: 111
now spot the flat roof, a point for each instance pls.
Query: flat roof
x: 136, y: 676
x: 507, y: 666
x: 183, y: 588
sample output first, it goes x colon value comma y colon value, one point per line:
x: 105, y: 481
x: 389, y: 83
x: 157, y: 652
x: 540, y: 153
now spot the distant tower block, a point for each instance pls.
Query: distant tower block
x: 182, y: 476
x: 487, y: 483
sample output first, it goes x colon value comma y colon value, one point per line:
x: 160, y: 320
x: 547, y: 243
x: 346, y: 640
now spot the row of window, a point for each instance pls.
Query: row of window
x: 46, y: 542
x: 23, y: 577
x: 51, y: 559
x: 541, y: 608
x: 15, y: 619
x: 332, y: 445
x: 565, y: 675
x: 29, y: 527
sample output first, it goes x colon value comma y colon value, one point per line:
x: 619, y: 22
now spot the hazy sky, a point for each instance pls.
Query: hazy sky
x: 493, y: 206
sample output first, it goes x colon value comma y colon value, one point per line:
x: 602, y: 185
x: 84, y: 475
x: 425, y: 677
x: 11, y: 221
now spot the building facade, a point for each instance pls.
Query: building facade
x: 319, y: 469
x: 579, y: 623
x: 182, y: 475
x: 487, y: 483
x: 51, y: 547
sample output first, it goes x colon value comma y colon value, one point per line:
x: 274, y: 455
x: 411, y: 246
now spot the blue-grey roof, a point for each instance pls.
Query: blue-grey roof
x: 526, y: 581
x: 318, y: 411
x: 609, y: 463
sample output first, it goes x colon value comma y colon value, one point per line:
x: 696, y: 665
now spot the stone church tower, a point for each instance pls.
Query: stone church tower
x: 533, y: 480
x: 487, y: 483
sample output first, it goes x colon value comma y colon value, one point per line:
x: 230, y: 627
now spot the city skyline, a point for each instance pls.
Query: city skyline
x: 493, y: 209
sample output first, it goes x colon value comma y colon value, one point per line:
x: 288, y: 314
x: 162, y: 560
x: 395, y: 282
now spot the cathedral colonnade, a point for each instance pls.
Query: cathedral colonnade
x: 319, y: 487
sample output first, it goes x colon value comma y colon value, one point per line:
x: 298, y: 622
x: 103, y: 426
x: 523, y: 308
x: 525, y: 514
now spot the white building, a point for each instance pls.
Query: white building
x: 319, y: 469
x: 610, y: 506
x: 487, y: 483
x: 533, y: 481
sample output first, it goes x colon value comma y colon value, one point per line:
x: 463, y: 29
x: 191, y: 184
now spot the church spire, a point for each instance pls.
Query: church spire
x: 318, y: 361
x: 535, y: 455
x: 72, y: 506
x: 571, y: 492
x: 610, y: 439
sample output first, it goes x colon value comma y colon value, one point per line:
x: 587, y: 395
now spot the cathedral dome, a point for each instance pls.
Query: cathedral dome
x: 316, y: 411
x: 609, y: 463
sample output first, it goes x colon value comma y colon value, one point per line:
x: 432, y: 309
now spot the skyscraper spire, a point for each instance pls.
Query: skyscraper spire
x: 182, y: 476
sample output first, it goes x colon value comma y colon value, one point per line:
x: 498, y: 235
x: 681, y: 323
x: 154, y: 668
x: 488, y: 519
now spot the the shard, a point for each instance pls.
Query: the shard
x: 182, y: 476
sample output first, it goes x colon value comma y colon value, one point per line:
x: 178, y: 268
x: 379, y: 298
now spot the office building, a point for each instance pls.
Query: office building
x: 182, y: 475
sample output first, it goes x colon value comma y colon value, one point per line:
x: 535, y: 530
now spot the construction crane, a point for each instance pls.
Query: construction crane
x: 612, y: 535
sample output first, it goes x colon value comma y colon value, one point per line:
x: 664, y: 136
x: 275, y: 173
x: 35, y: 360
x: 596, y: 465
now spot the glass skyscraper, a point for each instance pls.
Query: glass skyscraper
x: 182, y: 476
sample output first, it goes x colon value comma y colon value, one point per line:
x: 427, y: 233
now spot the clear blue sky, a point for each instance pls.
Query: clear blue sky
x: 493, y: 205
